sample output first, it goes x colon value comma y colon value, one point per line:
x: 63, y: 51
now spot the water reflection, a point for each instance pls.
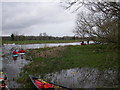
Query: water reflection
x: 12, y: 68
x: 83, y: 78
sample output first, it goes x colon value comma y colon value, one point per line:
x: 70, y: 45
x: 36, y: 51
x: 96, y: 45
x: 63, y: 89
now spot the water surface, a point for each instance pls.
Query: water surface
x: 84, y: 78
x: 33, y: 46
x: 12, y: 68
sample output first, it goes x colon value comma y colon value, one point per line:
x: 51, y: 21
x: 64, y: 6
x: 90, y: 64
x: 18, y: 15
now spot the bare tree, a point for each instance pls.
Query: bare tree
x: 101, y: 21
x: 44, y: 34
x: 12, y: 37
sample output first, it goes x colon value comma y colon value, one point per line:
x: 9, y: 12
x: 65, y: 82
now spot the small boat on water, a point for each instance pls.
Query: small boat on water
x: 41, y: 84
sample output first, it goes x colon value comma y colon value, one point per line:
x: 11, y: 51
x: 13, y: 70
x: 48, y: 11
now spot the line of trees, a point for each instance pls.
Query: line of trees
x: 42, y: 36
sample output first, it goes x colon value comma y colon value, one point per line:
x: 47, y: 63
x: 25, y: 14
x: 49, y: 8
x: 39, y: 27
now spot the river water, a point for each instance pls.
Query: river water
x: 33, y: 46
x: 72, y: 78
x: 84, y: 78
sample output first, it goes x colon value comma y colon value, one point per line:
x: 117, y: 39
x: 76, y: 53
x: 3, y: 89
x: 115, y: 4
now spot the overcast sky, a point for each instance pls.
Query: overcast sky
x: 33, y: 18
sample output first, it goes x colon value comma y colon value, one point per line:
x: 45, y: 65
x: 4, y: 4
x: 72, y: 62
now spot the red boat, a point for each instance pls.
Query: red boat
x: 41, y: 84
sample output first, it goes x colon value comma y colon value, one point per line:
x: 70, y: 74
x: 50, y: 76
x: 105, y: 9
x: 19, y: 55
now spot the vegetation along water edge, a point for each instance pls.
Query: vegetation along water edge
x: 47, y: 60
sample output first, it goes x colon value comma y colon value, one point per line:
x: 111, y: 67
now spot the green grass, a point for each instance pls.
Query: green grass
x: 38, y: 41
x: 91, y: 56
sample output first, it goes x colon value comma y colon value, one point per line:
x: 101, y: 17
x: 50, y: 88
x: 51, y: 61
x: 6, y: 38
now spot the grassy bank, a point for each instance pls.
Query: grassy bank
x: 49, y: 60
x: 38, y: 41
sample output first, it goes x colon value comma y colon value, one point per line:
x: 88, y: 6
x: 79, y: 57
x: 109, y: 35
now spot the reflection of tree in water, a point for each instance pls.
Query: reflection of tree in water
x: 84, y: 78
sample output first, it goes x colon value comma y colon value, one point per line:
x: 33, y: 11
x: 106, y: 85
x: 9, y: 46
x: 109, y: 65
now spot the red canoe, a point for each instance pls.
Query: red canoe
x: 41, y: 84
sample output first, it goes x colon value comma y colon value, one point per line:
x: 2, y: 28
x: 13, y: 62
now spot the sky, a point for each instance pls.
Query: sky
x: 33, y: 18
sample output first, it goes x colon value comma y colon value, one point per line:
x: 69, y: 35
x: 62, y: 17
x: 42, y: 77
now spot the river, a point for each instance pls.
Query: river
x: 33, y: 46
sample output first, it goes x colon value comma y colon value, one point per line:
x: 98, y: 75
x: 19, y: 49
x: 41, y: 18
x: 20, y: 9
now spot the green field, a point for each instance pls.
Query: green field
x: 49, y: 60
x: 38, y: 41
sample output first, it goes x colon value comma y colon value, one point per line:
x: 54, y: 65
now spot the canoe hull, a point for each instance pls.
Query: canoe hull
x: 31, y: 78
x: 50, y: 85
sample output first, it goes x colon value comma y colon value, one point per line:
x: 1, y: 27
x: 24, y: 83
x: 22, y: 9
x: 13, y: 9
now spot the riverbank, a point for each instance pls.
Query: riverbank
x: 38, y: 41
x: 48, y: 60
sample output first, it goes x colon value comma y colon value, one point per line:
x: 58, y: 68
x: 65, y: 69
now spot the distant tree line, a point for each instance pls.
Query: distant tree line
x: 42, y: 36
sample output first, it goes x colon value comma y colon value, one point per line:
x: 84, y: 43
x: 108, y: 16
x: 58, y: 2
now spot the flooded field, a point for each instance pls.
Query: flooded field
x: 13, y: 68
x: 84, y: 78
x: 72, y: 78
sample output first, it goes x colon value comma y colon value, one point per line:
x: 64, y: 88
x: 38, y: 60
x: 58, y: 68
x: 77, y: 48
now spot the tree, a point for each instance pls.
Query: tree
x: 44, y: 34
x: 12, y: 37
x: 101, y: 20
x: 20, y: 37
x: 40, y: 34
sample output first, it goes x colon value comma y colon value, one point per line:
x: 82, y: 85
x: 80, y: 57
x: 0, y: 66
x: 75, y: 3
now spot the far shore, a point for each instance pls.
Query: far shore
x: 38, y: 41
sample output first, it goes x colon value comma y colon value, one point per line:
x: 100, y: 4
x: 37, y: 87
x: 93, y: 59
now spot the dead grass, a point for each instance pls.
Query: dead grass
x: 54, y: 52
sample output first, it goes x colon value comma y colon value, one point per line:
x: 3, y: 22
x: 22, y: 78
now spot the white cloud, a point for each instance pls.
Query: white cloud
x: 30, y: 0
x: 21, y: 17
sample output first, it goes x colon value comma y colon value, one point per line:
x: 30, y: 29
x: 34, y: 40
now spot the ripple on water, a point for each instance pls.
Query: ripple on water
x: 13, y: 68
x: 83, y: 78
